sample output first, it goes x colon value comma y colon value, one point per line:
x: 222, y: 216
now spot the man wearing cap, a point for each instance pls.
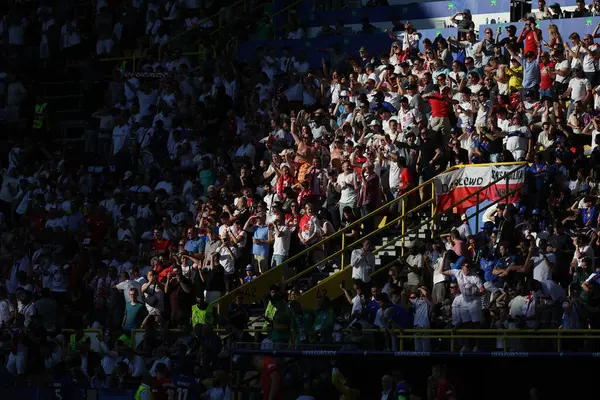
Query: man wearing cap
x: 370, y: 70
x: 364, y: 58
x: 511, y: 37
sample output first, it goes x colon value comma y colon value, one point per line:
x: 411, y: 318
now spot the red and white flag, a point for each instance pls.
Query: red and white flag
x: 453, y: 186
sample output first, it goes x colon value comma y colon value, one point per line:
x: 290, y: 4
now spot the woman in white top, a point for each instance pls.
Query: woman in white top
x: 471, y: 305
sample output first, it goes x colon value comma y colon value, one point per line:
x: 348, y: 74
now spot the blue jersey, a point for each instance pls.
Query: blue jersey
x: 187, y: 388
x: 65, y: 389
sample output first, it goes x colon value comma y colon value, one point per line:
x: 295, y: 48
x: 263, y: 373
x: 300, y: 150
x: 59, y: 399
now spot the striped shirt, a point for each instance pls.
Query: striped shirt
x: 422, y: 307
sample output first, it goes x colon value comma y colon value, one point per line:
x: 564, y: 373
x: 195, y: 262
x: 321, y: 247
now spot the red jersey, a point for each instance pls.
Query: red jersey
x: 445, y: 390
x: 270, y: 366
x: 530, y: 44
x: 163, y: 389
x: 160, y: 247
x: 546, y: 80
x: 439, y: 106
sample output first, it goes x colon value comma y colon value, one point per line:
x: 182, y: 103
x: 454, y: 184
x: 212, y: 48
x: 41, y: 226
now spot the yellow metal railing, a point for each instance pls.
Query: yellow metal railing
x: 453, y: 335
x: 330, y: 286
x: 133, y: 60
x: 259, y: 287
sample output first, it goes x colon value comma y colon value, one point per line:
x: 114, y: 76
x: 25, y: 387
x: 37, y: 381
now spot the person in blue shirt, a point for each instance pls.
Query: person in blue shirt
x: 194, y: 244
x: 589, y: 214
x: 250, y: 275
x: 63, y: 386
x: 341, y: 111
x: 260, y: 241
x: 187, y: 388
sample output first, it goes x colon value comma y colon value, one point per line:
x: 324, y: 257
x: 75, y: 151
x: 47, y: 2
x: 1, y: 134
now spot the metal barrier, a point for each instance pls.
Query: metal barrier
x: 331, y: 284
x: 260, y: 286
x: 556, y: 336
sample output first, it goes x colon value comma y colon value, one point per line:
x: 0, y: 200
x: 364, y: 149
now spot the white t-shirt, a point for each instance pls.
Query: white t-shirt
x: 541, y: 269
x: 518, y: 139
x: 119, y: 135
x: 346, y: 182
x: 469, y: 285
x: 579, y: 88
x: 281, y: 245
x: 561, y: 66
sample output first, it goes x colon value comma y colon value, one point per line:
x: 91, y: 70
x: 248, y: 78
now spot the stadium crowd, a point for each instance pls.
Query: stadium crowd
x: 213, y: 174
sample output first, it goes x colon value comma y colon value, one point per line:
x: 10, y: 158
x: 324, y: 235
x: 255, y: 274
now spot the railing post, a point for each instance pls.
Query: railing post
x: 403, y: 205
x: 452, y: 344
x: 507, y: 186
x: 343, y: 251
x: 432, y: 209
x: 558, y: 341
x: 476, y: 215
x: 401, y: 341
x: 505, y: 342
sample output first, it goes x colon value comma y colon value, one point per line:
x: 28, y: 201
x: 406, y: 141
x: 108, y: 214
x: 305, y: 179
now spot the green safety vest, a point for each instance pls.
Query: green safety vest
x: 202, y: 316
x: 141, y: 389
x: 269, y: 313
x: 73, y: 341
x: 126, y: 340
x: 38, y: 121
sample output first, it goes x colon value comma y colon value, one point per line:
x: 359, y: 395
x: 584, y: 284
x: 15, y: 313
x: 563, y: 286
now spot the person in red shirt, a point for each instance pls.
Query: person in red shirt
x: 546, y: 81
x: 162, y: 387
x: 440, y: 109
x: 531, y: 35
x: 270, y: 378
x: 160, y: 245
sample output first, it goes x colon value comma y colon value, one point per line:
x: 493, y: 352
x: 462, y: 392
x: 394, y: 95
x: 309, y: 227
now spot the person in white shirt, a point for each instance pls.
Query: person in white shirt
x: 347, y: 185
x: 518, y: 139
x: 470, y: 306
x: 579, y: 89
x: 227, y: 255
x: 279, y: 235
x: 120, y: 134
x: 363, y: 262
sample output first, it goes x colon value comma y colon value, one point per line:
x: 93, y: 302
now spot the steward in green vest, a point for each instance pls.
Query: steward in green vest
x: 77, y: 338
x: 202, y: 312
x: 144, y: 391
x: 40, y: 117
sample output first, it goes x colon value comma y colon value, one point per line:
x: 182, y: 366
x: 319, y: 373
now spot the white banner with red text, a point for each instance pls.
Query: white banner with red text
x: 453, y: 186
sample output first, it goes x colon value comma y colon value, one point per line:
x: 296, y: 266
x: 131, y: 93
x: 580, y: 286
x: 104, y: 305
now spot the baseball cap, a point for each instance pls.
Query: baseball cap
x: 249, y: 267
x: 374, y: 123
x: 363, y: 48
x: 343, y: 93
x: 511, y: 28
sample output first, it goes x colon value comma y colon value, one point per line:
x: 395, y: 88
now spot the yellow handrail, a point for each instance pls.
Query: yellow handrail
x: 179, y: 35
x: 132, y: 58
x: 274, y: 275
x: 257, y: 288
x: 309, y: 298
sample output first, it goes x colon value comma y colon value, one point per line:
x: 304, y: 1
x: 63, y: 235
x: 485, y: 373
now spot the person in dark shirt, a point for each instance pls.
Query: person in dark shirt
x: 511, y: 32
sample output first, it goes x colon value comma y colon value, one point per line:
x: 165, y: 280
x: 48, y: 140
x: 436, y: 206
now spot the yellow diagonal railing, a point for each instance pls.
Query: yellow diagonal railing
x: 259, y: 287
x: 330, y: 286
